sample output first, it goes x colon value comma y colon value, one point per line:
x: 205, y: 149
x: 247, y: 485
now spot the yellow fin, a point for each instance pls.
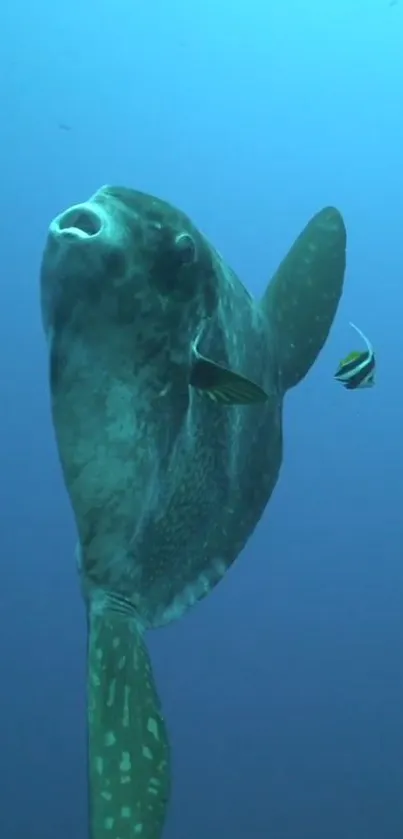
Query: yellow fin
x: 352, y: 356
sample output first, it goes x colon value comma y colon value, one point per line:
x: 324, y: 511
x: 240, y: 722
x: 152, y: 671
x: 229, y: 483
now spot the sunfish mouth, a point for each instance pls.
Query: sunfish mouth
x: 82, y: 221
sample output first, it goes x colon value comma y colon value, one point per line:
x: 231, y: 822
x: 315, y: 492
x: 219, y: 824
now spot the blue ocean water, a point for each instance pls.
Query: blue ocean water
x: 283, y: 691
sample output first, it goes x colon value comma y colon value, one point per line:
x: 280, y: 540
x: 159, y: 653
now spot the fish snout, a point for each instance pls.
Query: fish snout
x: 81, y: 223
x: 86, y: 241
x: 83, y: 265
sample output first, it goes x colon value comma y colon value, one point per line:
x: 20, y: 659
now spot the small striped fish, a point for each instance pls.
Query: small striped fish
x: 358, y: 368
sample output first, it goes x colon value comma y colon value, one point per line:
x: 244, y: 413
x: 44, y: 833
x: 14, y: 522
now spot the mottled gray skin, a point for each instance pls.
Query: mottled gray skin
x: 166, y: 486
x: 151, y: 486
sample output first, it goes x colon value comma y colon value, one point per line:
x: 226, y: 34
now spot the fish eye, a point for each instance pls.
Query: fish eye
x: 186, y: 248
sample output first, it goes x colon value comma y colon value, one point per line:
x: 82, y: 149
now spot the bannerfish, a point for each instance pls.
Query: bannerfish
x: 357, y: 370
x: 167, y: 382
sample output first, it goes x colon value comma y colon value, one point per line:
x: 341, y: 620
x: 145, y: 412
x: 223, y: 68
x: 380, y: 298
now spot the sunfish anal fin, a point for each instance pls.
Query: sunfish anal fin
x: 128, y: 746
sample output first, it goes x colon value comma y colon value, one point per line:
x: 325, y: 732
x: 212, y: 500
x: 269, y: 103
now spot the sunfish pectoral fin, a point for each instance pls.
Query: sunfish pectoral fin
x: 128, y: 747
x: 223, y: 385
x: 302, y: 298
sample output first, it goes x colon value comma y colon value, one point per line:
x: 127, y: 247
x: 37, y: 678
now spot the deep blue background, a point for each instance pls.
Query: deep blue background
x: 284, y: 690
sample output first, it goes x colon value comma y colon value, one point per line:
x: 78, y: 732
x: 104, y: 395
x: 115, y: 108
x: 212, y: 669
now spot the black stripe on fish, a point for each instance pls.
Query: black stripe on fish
x: 345, y: 368
x: 359, y: 374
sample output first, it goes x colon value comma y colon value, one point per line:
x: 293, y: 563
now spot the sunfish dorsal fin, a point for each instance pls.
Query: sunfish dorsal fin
x: 302, y: 298
x: 128, y: 747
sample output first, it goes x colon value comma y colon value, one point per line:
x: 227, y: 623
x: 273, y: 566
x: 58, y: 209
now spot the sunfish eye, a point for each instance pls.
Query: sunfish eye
x: 185, y: 247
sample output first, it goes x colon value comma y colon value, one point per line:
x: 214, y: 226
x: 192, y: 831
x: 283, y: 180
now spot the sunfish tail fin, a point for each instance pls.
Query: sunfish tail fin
x: 128, y: 746
x: 302, y: 298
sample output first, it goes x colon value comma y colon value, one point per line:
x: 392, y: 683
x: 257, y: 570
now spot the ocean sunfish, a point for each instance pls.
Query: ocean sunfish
x: 167, y: 382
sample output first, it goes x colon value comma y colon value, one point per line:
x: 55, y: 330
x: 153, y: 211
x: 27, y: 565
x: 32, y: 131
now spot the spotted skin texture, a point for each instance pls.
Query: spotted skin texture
x: 304, y: 294
x: 166, y: 485
x: 120, y: 712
